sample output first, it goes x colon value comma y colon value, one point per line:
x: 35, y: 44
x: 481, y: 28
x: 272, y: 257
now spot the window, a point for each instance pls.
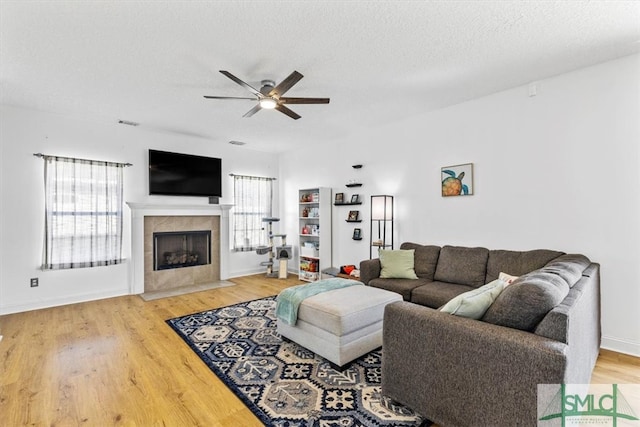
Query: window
x: 83, y: 213
x: 253, y: 201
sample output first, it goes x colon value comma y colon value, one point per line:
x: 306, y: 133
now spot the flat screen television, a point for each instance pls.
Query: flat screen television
x: 176, y: 174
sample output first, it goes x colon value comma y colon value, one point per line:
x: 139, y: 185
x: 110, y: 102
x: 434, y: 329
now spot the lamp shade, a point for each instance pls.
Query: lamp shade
x: 382, y: 208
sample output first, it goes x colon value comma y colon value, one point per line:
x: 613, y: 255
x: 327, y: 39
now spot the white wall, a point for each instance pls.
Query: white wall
x: 24, y: 132
x: 560, y: 170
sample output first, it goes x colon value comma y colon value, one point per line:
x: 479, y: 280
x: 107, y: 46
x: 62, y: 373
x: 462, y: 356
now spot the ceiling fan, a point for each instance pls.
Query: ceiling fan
x: 270, y: 96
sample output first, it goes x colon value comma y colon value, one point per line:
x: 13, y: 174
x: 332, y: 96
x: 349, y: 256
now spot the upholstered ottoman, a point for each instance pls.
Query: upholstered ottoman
x: 341, y: 324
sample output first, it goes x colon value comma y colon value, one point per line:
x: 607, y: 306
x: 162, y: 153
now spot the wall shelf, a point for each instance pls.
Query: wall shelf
x: 354, y: 185
x: 347, y: 204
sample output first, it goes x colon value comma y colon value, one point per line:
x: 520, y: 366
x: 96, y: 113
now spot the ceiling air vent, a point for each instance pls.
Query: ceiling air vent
x: 237, y: 143
x: 128, y: 123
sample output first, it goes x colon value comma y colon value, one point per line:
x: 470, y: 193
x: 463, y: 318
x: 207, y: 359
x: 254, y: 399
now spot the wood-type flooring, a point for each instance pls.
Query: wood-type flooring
x: 115, y: 362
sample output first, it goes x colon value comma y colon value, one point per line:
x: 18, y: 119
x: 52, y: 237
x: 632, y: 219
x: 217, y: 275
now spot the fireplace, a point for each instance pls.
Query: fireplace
x: 179, y: 249
x: 149, y: 218
x: 182, y: 243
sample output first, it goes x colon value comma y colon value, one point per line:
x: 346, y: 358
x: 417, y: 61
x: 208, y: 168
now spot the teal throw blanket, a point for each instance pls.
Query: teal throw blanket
x: 289, y: 299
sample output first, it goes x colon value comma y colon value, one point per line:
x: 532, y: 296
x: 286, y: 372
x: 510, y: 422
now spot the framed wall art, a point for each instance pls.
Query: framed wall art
x: 457, y: 180
x: 357, y: 234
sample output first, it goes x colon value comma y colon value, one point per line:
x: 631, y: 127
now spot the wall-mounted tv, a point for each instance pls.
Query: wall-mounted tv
x: 178, y: 174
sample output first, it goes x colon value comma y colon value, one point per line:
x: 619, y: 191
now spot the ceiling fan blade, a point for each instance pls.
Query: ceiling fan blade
x: 287, y: 100
x: 253, y: 90
x: 227, y: 97
x: 253, y: 111
x: 286, y: 84
x: 287, y: 111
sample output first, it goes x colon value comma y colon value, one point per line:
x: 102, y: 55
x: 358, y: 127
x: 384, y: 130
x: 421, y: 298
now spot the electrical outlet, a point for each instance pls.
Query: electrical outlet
x: 34, y: 282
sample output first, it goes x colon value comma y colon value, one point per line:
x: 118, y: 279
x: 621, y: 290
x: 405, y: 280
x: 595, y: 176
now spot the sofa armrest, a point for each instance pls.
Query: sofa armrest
x: 459, y: 371
x: 369, y: 269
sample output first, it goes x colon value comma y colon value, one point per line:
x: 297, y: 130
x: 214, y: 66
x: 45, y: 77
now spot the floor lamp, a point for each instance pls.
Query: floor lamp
x: 382, y: 219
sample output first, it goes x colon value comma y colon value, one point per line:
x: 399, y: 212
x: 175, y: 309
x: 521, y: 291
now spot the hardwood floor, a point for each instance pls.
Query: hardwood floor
x: 116, y: 362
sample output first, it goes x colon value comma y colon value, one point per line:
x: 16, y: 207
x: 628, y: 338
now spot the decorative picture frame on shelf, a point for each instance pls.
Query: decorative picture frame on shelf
x: 457, y: 180
x: 339, y: 199
x: 355, y: 198
x: 353, y: 216
x: 357, y: 234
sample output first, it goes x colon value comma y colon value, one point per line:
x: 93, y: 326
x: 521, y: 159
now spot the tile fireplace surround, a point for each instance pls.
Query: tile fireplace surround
x: 166, y: 217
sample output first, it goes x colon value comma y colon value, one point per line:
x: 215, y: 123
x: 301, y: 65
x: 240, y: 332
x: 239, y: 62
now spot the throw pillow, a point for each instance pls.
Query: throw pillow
x: 474, y: 304
x: 507, y: 278
x: 425, y: 259
x: 397, y: 264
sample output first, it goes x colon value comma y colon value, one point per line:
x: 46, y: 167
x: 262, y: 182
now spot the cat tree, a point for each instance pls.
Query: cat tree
x: 282, y: 253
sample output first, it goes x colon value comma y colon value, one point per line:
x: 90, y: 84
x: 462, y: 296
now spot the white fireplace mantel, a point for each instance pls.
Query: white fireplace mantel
x: 140, y: 210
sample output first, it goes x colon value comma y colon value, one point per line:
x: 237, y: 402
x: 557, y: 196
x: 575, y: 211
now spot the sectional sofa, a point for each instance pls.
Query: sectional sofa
x: 543, y: 328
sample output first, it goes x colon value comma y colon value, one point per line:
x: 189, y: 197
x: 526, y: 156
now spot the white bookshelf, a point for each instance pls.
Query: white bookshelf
x: 314, y: 230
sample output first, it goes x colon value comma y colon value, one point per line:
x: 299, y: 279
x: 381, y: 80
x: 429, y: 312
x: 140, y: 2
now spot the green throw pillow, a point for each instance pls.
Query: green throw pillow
x: 397, y: 264
x: 474, y: 304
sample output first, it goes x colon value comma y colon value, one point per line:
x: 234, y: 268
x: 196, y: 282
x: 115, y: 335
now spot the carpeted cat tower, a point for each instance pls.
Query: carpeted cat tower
x: 282, y: 253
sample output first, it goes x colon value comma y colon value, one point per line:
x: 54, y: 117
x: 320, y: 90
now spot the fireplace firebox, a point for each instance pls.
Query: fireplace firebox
x: 178, y: 249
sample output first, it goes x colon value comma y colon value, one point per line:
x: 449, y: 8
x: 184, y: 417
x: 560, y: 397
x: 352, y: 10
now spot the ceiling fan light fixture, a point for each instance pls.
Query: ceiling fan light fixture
x: 268, y: 103
x: 270, y: 96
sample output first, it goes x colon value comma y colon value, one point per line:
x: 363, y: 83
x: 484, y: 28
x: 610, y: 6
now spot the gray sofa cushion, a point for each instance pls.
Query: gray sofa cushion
x: 437, y: 294
x: 466, y: 266
x: 569, y: 267
x: 426, y: 259
x: 517, y: 263
x: 400, y: 286
x: 524, y: 303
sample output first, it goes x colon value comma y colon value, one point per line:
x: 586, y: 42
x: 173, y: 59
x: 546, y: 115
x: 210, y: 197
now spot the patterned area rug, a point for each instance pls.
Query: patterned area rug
x: 284, y: 384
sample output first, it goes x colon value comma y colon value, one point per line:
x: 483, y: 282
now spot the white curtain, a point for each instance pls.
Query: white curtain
x: 83, y: 213
x: 252, y: 200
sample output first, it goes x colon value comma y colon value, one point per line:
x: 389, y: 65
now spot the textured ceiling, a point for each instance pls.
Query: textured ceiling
x: 379, y: 61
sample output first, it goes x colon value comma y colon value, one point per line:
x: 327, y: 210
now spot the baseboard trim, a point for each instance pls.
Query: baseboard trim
x: 249, y: 272
x: 55, y: 302
x: 621, y: 346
